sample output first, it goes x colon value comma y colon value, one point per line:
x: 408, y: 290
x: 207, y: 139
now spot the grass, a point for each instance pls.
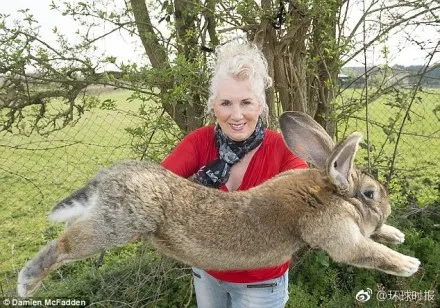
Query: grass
x: 36, y: 172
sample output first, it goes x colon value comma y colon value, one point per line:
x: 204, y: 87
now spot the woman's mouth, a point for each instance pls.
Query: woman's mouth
x: 237, y: 127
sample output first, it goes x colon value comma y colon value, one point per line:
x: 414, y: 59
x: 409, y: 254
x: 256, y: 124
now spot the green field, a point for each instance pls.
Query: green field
x: 36, y: 171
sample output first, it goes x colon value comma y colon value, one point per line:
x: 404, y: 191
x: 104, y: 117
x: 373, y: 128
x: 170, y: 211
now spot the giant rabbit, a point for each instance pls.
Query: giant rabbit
x: 334, y: 207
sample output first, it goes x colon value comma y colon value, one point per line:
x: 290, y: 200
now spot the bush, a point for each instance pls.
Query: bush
x: 134, y: 276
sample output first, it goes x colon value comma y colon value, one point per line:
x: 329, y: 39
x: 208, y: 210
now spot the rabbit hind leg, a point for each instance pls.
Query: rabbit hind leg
x: 81, y: 240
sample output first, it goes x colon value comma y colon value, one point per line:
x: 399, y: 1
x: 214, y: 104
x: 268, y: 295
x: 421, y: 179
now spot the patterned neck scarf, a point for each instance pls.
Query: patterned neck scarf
x: 216, y: 172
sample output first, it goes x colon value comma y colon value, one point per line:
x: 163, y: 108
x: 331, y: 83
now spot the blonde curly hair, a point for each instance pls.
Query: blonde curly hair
x: 241, y: 61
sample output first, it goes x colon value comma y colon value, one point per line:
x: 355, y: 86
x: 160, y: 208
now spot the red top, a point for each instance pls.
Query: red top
x: 271, y: 158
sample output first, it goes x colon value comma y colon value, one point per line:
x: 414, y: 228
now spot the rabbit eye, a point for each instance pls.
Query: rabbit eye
x: 369, y: 194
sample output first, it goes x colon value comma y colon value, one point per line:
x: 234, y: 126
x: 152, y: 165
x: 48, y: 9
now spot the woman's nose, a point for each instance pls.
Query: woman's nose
x: 237, y: 113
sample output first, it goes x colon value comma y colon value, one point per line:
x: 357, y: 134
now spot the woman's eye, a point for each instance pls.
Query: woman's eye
x: 246, y: 102
x: 369, y: 194
x: 225, y: 103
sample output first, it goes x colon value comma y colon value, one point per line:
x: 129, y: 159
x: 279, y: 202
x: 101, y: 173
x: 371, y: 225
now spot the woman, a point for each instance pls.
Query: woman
x: 238, y: 153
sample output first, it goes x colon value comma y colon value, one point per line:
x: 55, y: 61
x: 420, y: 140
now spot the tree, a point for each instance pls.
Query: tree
x: 306, y: 43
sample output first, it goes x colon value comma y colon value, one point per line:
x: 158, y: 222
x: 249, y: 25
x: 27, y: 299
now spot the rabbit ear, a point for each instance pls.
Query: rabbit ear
x: 340, y: 163
x: 306, y: 138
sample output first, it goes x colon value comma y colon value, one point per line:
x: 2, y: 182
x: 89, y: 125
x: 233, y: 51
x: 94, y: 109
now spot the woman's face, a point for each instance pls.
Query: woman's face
x: 236, y: 108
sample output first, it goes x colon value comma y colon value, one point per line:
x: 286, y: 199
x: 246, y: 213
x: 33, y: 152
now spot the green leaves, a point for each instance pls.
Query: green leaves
x: 108, y: 104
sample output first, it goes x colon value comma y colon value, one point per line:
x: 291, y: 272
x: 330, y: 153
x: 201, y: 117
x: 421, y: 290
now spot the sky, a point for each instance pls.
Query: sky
x: 400, y: 51
x: 129, y: 48
x: 117, y: 44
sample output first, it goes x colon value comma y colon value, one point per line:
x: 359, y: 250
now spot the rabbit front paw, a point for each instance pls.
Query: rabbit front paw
x: 408, y: 266
x: 389, y: 234
x: 395, y: 235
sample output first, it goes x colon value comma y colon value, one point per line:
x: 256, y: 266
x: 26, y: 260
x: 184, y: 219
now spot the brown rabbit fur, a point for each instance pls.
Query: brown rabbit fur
x: 336, y: 208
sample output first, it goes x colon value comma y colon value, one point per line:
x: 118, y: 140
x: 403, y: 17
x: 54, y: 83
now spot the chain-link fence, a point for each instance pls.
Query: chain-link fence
x: 37, y: 171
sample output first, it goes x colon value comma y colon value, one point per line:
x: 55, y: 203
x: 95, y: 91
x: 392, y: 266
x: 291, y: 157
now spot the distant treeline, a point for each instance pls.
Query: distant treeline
x: 354, y: 77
